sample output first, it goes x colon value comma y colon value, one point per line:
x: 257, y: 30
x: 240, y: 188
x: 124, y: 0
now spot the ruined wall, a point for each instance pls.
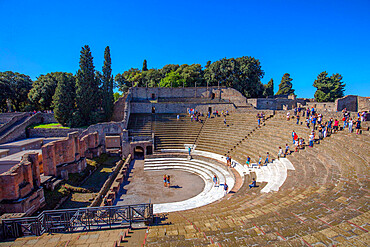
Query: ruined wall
x: 278, y: 103
x: 363, y: 103
x: 119, y: 108
x: 69, y: 153
x: 349, y: 102
x: 322, y: 106
x: 20, y: 189
x: 51, y: 132
x: 228, y: 94
x: 168, y: 107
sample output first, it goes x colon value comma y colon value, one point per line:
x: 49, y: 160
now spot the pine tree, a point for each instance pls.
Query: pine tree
x: 87, y: 89
x: 145, y: 66
x: 328, y: 88
x: 107, y: 87
x: 269, y: 88
x: 285, y: 86
x: 64, y: 99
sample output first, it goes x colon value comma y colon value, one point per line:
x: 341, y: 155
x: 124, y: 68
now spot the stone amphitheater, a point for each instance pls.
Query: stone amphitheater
x: 317, y: 196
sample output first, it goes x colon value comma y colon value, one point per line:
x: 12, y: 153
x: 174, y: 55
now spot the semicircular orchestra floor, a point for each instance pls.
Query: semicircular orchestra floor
x: 144, y: 186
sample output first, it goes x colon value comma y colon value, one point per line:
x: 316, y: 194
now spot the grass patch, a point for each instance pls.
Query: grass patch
x: 48, y: 126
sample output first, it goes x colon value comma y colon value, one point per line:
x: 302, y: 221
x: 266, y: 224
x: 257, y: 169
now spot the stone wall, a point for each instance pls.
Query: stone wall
x: 278, y: 103
x: 20, y: 190
x: 227, y: 94
x: 349, y: 102
x: 322, y: 106
x: 19, y: 131
x: 51, y: 132
x: 69, y: 153
x: 119, y: 109
x: 169, y: 107
x: 363, y: 103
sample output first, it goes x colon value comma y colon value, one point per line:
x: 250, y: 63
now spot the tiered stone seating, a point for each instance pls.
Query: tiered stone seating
x: 324, y: 202
x: 217, y: 137
x: 140, y: 124
x: 171, y: 133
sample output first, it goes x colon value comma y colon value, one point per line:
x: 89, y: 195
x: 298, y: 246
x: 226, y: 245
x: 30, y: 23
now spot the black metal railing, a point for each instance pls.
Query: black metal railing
x: 80, y: 219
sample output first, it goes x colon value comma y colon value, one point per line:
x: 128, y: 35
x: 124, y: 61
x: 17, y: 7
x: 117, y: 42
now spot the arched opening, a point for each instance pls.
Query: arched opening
x: 213, y: 96
x: 139, y: 152
x: 149, y: 150
x: 153, y: 109
x: 153, y: 96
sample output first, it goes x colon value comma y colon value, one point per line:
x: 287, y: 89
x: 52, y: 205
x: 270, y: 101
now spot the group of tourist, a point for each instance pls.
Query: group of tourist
x: 195, y: 115
x: 167, y: 180
x: 216, y: 184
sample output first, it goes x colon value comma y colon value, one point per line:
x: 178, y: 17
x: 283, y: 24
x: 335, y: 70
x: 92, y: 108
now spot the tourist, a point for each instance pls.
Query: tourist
x: 168, y: 181
x: 248, y: 161
x: 358, y: 126
x: 363, y: 116
x: 280, y: 153
x: 308, y: 122
x: 288, y: 116
x: 286, y: 149
x: 296, y: 144
x: 301, y: 143
x: 189, y: 150
x: 259, y: 122
x: 336, y: 125
x: 311, y: 138
x: 298, y: 117
x: 253, y: 183
x: 178, y: 117
x: 293, y: 135
x: 224, y: 121
x: 165, y: 180
x: 267, y: 158
x: 350, y: 125
x: 226, y: 187
x: 228, y: 160
x: 191, y: 117
x: 215, y: 180
x: 259, y: 161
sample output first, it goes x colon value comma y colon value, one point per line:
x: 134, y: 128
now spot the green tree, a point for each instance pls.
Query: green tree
x: 173, y: 79
x: 43, y: 89
x: 286, y: 86
x: 16, y: 87
x: 87, y: 89
x: 107, y: 85
x: 151, y: 78
x: 168, y: 68
x: 116, y: 96
x: 243, y: 73
x: 328, y: 89
x: 192, y: 75
x: 129, y: 78
x: 145, y: 66
x: 269, y: 88
x: 64, y: 99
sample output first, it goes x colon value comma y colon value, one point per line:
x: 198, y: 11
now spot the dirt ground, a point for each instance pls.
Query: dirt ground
x: 143, y: 186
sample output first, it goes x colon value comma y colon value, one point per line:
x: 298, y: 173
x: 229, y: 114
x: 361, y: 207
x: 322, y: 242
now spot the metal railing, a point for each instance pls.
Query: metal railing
x: 80, y: 219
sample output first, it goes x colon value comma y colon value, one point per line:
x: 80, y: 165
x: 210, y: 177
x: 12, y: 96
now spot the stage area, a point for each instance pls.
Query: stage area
x: 143, y: 186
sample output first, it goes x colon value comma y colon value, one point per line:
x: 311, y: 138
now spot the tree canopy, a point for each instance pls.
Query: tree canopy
x: 43, y: 89
x: 64, y: 99
x: 87, y: 89
x: 286, y: 86
x: 328, y: 89
x: 107, y: 86
x: 14, y: 88
x: 269, y: 88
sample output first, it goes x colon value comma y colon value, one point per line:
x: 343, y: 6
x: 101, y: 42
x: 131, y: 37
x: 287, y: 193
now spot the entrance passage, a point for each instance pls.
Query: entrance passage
x: 153, y: 109
x: 149, y: 150
x: 138, y: 152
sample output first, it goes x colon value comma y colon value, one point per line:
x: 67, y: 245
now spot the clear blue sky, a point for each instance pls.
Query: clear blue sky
x: 302, y: 38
